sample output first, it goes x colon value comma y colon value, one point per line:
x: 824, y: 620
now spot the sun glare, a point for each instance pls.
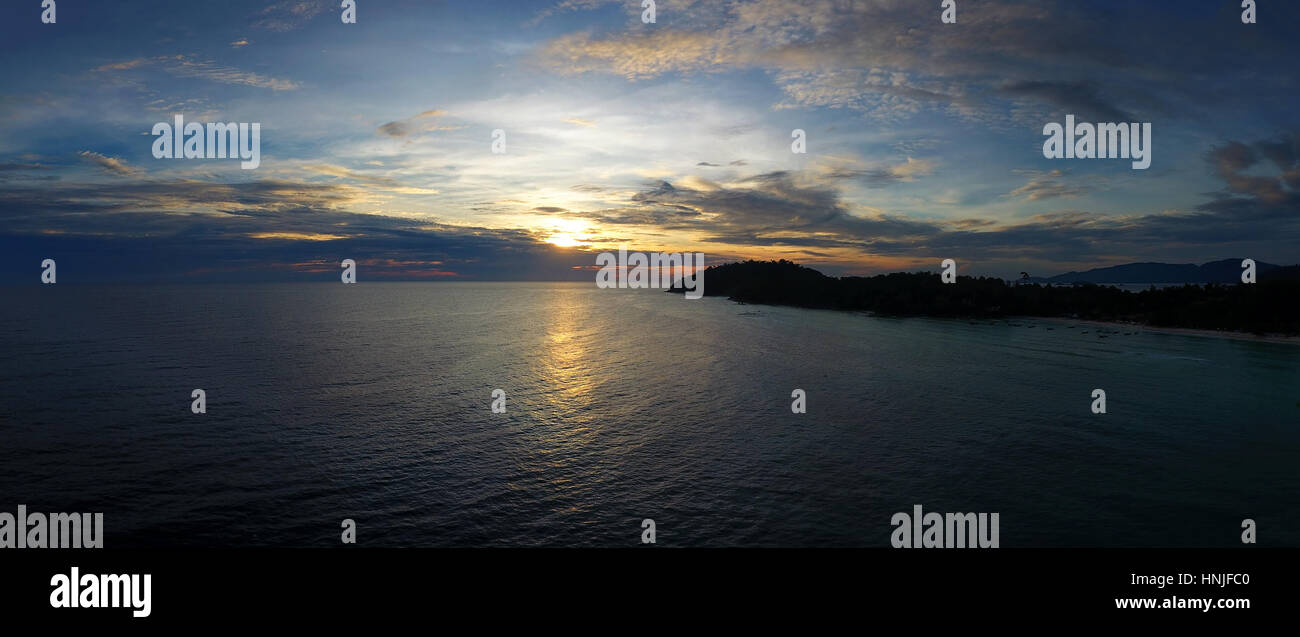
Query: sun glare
x: 567, y: 233
x: 564, y: 240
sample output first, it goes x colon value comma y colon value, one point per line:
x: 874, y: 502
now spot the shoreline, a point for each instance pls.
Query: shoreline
x: 1177, y: 331
x: 1180, y: 331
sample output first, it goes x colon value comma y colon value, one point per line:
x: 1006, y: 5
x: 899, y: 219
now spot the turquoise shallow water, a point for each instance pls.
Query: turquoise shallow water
x: 372, y: 402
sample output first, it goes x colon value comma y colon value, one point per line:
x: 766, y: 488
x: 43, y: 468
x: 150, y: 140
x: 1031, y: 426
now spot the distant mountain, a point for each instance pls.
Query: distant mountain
x: 1225, y: 271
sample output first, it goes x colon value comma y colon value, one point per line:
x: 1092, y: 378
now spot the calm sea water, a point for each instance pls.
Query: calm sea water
x: 372, y: 402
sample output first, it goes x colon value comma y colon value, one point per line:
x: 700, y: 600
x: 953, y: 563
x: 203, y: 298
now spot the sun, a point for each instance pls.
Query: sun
x: 567, y: 233
x: 564, y: 240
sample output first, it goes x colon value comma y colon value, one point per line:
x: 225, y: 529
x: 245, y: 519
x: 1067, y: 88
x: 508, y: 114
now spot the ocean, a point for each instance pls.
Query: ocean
x: 372, y: 402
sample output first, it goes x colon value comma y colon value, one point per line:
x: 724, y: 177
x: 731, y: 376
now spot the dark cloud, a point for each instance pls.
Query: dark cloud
x: 1232, y: 160
x: 779, y: 209
x: 264, y: 230
x: 396, y: 129
x: 25, y: 172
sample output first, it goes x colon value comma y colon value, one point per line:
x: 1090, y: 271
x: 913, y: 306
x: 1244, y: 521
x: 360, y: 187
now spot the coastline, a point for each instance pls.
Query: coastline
x: 1117, y: 325
x: 1181, y: 331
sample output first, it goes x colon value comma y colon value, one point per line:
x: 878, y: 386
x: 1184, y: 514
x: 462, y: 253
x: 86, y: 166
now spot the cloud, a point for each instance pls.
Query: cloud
x: 405, y: 127
x: 1009, y: 61
x: 376, y: 182
x: 777, y: 208
x: 880, y: 176
x: 187, y: 66
x: 803, y: 211
x: 261, y: 230
x: 1233, y: 159
x: 124, y: 66
x: 395, y: 129
x: 636, y: 56
x: 26, y: 172
x: 289, y: 15
x: 295, y: 236
x: 816, y: 52
x: 566, y: 6
x: 109, y: 164
x: 800, y: 214
x: 1047, y: 185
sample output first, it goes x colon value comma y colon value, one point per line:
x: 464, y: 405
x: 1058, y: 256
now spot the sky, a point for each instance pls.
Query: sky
x: 923, y: 139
